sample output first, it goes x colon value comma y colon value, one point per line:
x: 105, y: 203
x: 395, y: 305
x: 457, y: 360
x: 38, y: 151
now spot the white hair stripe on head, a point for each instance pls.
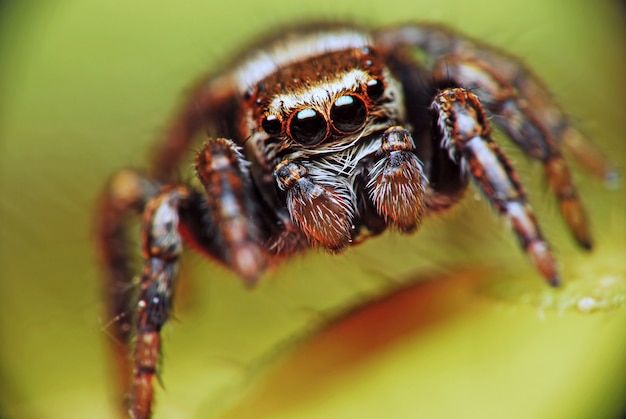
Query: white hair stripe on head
x: 264, y: 63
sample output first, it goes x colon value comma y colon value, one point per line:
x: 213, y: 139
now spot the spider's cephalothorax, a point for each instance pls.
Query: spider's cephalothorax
x: 323, y: 128
x: 324, y: 137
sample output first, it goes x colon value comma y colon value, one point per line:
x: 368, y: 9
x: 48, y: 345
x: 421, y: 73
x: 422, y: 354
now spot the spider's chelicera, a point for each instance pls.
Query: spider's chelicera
x: 323, y: 137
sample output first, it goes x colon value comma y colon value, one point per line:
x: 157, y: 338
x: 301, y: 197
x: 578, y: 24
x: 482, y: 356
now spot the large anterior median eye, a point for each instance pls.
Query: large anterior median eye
x: 308, y: 127
x: 348, y: 114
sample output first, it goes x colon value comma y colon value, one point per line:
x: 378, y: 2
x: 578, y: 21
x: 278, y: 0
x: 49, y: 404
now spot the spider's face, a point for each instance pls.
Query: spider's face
x: 321, y: 104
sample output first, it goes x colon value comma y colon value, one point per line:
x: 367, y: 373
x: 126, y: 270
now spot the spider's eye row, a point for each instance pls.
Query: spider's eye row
x: 375, y: 89
x: 271, y: 125
x: 308, y: 127
x: 348, y: 113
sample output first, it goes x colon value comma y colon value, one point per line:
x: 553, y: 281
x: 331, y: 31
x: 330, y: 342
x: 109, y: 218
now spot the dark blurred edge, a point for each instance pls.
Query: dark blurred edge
x: 11, y: 14
x: 8, y: 12
x: 621, y: 8
x: 17, y: 19
x: 6, y: 9
x: 4, y: 4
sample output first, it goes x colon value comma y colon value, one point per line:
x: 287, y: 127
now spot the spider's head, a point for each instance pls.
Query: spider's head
x: 321, y: 104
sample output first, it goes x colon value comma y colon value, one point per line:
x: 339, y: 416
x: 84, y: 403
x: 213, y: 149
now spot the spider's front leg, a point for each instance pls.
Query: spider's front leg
x: 162, y: 246
x: 463, y: 128
x: 125, y: 196
x: 519, y: 103
x: 537, y: 131
x: 220, y: 222
x: 234, y: 233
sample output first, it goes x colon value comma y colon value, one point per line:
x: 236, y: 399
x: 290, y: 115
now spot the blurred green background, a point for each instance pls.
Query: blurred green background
x: 84, y: 88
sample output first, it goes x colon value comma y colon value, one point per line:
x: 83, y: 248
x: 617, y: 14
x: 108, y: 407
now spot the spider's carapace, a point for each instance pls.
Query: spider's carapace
x: 324, y: 136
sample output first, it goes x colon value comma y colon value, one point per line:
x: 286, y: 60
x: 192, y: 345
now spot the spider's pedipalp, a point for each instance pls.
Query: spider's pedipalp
x: 397, y: 182
x: 323, y: 211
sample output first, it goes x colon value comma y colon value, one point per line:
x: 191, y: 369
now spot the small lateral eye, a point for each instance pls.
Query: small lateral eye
x: 271, y: 125
x: 308, y: 127
x: 348, y: 114
x: 375, y: 89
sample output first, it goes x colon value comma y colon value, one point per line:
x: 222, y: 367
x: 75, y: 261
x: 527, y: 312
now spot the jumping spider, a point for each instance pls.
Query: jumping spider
x: 320, y: 138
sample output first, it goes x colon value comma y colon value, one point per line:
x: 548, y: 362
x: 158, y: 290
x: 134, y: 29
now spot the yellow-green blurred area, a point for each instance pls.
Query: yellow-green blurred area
x: 468, y: 329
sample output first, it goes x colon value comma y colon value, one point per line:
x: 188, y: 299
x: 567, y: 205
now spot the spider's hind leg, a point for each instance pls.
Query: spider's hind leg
x: 220, y: 222
x: 462, y: 127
